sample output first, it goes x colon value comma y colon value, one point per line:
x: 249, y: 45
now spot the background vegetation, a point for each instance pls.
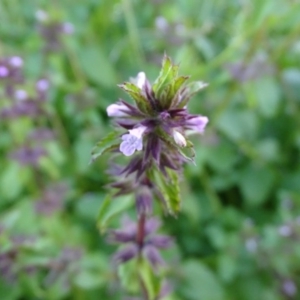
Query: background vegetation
x: 238, y: 234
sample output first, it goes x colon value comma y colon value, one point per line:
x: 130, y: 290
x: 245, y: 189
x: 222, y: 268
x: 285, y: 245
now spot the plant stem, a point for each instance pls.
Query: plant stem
x: 141, y: 231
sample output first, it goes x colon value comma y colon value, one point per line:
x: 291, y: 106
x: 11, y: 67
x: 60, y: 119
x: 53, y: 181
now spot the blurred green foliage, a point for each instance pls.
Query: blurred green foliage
x: 238, y: 234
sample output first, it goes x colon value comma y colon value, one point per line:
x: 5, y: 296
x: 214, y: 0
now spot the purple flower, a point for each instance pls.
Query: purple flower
x: 117, y: 110
x: 197, y: 123
x: 160, y: 120
x: 132, y: 141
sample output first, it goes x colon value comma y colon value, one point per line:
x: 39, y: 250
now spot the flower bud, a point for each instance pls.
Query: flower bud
x: 153, y: 256
x: 125, y: 254
x: 141, y: 80
x: 144, y: 201
x: 179, y: 138
x: 117, y: 110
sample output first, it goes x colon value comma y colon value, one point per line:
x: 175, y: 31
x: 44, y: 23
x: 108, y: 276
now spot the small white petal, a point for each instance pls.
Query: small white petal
x: 179, y: 138
x: 138, y: 132
x: 141, y: 80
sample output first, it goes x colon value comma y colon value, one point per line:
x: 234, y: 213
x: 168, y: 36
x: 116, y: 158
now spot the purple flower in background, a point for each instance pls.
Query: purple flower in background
x: 3, y: 71
x: 289, y: 287
x: 246, y: 71
x: 149, y: 247
x: 52, y: 200
x: 64, y: 266
x: 11, y: 69
x: 20, y: 95
x: 9, y: 266
x: 42, y: 86
x: 11, y: 73
x: 67, y: 28
x: 28, y: 155
x: 41, y: 134
x: 51, y: 30
x: 16, y: 62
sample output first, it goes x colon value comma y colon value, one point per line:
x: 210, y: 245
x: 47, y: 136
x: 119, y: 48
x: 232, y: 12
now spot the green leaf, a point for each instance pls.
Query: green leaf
x: 168, y: 97
x: 188, y: 151
x: 256, y: 183
x: 88, y: 280
x: 268, y: 94
x: 96, y: 65
x: 200, y: 282
x: 128, y: 274
x: 137, y: 95
x: 111, y: 208
x: 110, y: 142
x: 152, y: 282
x: 168, y: 73
x: 169, y: 187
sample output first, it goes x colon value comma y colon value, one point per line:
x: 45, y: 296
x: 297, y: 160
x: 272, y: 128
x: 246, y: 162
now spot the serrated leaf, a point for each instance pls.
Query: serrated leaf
x: 191, y: 89
x: 111, y: 208
x: 168, y: 73
x: 137, y: 95
x: 177, y: 84
x: 110, y: 142
x: 169, y: 187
